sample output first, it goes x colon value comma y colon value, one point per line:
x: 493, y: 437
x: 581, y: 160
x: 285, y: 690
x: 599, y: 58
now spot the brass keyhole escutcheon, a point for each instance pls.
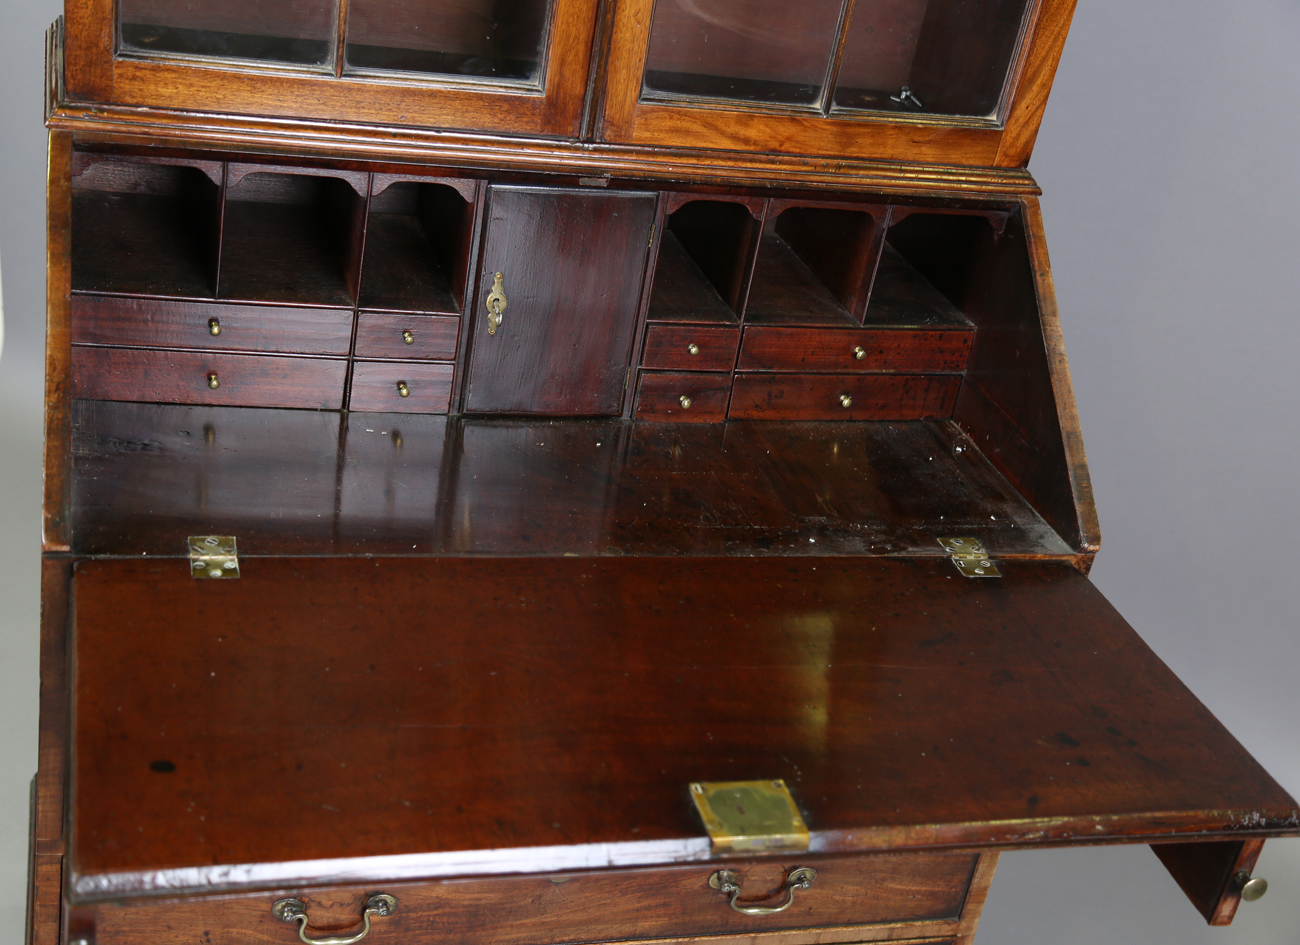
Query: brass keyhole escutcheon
x: 685, y: 402
x: 408, y: 337
x: 496, y: 304
x: 214, y: 327
x: 859, y: 352
x: 213, y: 383
x: 403, y: 390
x: 846, y: 401
x: 693, y: 348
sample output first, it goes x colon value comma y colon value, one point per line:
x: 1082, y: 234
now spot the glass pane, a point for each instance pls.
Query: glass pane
x: 755, y: 50
x: 947, y: 57
x: 495, y: 39
x: 297, y: 31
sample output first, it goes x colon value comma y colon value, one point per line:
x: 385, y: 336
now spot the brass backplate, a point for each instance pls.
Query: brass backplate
x: 970, y: 557
x: 750, y: 816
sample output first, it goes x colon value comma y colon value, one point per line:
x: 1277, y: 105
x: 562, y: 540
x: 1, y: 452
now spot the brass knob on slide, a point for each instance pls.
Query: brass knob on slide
x: 693, y: 348
x: 1252, y: 889
x: 403, y: 390
x: 859, y: 352
x: 408, y: 337
x: 213, y: 383
x: 214, y: 327
x: 846, y: 401
x: 685, y: 402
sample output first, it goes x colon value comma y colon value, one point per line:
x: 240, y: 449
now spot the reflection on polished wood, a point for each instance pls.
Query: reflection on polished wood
x: 292, y: 482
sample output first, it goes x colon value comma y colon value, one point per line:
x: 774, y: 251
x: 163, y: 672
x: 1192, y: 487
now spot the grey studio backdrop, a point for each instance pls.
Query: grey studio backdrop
x: 1168, y: 158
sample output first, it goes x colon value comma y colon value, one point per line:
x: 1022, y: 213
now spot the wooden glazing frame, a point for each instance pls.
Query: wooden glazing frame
x: 95, y: 75
x: 1004, y: 142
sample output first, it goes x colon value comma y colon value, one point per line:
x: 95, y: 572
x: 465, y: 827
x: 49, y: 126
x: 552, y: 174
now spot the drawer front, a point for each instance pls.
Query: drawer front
x: 619, y: 905
x: 690, y: 348
x: 187, y: 377
x: 843, y: 397
x: 210, y: 326
x: 873, y: 349
x: 378, y: 386
x: 407, y: 337
x: 683, y: 398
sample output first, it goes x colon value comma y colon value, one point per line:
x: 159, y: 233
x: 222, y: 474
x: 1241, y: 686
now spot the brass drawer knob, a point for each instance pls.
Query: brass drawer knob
x: 693, y: 348
x: 214, y: 327
x: 403, y: 390
x: 408, y: 337
x: 859, y: 352
x: 1252, y: 888
x: 846, y: 401
x: 685, y: 402
x: 726, y: 882
x: 295, y: 910
x: 213, y: 383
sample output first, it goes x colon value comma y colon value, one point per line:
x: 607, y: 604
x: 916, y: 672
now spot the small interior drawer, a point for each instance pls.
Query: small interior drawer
x: 690, y: 348
x: 407, y: 337
x: 401, y: 386
x: 843, y: 396
x: 205, y: 377
x: 210, y: 326
x: 673, y: 902
x: 834, y: 349
x: 683, y: 398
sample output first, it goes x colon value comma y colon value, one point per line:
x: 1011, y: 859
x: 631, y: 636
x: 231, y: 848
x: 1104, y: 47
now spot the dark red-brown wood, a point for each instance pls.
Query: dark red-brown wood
x: 377, y: 386
x: 848, y: 895
x: 683, y: 398
x: 1209, y: 873
x: 330, y: 708
x: 160, y: 323
x: 822, y: 396
x: 770, y: 348
x: 185, y: 377
x: 432, y: 337
x: 681, y: 291
x: 670, y: 347
x: 572, y: 262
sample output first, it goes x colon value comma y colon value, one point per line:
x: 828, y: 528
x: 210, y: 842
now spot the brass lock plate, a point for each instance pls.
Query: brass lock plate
x: 750, y: 816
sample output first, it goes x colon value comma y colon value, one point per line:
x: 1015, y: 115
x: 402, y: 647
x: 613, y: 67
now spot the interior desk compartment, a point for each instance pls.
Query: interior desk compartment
x: 145, y: 226
x: 706, y: 255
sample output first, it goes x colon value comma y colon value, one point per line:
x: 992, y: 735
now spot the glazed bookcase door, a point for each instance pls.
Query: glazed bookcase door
x: 942, y: 81
x: 510, y: 66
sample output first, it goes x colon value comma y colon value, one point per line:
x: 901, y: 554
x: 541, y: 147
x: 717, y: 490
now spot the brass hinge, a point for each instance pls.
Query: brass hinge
x: 213, y: 556
x: 652, y: 236
x: 970, y: 557
x: 750, y: 816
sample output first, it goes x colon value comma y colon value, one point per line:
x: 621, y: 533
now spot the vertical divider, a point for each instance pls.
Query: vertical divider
x: 340, y: 38
x: 748, y: 284
x: 872, y: 268
x: 221, y: 230
x: 357, y: 245
x: 643, y: 308
x: 832, y: 76
x: 469, y: 297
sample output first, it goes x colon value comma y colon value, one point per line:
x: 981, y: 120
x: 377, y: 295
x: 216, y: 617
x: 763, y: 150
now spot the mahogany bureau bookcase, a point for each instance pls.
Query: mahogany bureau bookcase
x: 540, y: 472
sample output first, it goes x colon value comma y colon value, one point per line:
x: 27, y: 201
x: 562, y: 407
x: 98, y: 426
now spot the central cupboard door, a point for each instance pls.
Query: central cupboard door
x: 572, y: 264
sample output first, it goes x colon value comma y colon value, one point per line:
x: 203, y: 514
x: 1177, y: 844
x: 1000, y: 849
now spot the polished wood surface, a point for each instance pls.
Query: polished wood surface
x: 160, y: 323
x: 682, y: 292
x: 857, y: 892
x: 56, y: 525
x: 572, y: 263
x: 586, y: 695
x: 186, y: 377
x: 822, y: 396
x: 1207, y: 873
x: 148, y: 475
x: 769, y: 348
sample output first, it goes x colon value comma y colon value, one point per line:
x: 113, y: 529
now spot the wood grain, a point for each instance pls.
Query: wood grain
x: 57, y: 460
x: 587, y: 696
x: 681, y: 292
x: 767, y: 348
x: 159, y: 323
x: 382, y: 335
x: 818, y: 396
x: 1207, y: 873
x: 183, y: 377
